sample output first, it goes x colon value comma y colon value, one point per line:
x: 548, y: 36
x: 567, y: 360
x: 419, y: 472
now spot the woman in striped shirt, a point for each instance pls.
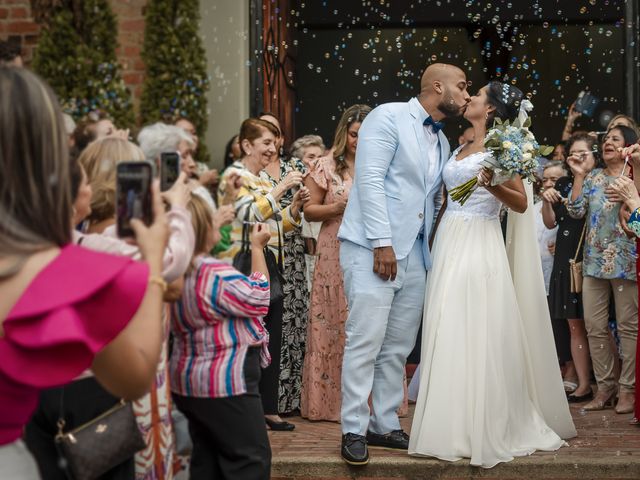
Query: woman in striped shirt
x: 220, y: 343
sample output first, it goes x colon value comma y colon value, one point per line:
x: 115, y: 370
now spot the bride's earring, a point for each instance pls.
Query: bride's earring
x: 486, y: 116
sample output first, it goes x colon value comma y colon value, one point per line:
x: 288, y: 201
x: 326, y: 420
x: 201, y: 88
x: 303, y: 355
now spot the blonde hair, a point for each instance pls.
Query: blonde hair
x: 201, y: 219
x: 628, y: 122
x: 35, y: 185
x: 353, y: 114
x: 99, y: 161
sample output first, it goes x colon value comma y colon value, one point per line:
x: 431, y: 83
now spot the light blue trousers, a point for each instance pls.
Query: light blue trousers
x: 381, y: 330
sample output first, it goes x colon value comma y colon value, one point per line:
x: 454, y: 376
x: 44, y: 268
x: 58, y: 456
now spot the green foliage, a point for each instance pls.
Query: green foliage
x: 77, y: 58
x: 176, y: 83
x: 546, y: 150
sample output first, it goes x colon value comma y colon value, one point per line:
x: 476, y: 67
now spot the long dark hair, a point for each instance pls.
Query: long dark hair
x: 505, y: 98
x: 629, y: 134
x: 228, y: 152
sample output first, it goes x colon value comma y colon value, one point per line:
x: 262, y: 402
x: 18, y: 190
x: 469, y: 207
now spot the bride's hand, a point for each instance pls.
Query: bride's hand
x: 484, y: 177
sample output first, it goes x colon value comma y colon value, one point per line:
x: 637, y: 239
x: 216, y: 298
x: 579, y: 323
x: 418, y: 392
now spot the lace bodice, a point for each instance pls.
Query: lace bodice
x: 481, y: 203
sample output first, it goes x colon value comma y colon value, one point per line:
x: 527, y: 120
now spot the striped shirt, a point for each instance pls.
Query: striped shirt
x: 218, y: 318
x: 255, y: 196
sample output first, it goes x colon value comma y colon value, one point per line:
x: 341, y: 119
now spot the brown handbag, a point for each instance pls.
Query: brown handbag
x: 575, y: 267
x: 94, y: 448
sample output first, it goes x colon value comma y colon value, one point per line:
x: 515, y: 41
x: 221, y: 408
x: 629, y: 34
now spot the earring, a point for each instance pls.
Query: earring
x: 486, y: 116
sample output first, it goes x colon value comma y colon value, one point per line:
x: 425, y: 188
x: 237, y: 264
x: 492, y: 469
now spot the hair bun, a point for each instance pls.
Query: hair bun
x: 505, y: 98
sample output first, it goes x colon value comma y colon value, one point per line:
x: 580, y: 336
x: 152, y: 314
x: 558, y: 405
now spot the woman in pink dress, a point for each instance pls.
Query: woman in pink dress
x: 63, y: 309
x: 329, y: 184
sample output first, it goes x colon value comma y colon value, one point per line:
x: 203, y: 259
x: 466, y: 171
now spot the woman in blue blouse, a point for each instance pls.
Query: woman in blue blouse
x: 609, y: 266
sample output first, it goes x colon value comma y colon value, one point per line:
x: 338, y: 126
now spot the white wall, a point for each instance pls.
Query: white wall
x: 225, y: 33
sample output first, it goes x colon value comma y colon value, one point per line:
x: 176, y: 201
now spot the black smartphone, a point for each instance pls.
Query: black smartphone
x: 133, y: 195
x: 169, y: 169
x: 586, y: 103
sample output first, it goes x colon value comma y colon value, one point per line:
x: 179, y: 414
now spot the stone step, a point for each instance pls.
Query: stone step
x: 548, y: 467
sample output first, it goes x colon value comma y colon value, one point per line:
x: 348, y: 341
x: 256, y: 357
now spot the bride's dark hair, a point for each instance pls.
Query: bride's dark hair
x: 506, y: 100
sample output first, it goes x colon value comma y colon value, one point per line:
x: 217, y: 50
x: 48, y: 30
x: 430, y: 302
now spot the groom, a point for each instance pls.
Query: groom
x: 384, y: 252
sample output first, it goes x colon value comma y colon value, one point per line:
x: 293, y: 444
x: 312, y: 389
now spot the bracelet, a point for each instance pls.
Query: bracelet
x: 157, y: 280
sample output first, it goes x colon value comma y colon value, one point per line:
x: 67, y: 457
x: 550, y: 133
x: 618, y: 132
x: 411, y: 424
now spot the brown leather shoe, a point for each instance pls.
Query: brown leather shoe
x: 626, y: 402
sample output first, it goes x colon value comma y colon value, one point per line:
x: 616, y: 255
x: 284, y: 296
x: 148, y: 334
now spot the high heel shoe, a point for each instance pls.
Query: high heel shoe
x: 573, y: 398
x: 601, y: 401
x: 626, y: 402
x: 279, y: 426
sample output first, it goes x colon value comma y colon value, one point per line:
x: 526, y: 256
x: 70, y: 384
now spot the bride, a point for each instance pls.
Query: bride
x: 490, y: 385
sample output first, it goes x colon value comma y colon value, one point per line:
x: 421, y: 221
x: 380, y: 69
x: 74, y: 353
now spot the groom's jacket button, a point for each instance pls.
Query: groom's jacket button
x: 421, y: 216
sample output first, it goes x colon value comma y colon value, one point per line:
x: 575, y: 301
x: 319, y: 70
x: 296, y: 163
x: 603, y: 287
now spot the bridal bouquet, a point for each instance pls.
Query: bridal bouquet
x: 514, y: 149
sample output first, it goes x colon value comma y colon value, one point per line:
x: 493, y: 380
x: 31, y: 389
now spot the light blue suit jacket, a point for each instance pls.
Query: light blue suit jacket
x: 392, y: 196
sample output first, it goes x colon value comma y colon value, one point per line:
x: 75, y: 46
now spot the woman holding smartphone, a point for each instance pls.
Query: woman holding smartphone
x: 566, y: 306
x: 58, y: 317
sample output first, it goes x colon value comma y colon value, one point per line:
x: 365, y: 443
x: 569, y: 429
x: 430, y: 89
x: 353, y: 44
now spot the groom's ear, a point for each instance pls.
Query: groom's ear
x: 437, y: 87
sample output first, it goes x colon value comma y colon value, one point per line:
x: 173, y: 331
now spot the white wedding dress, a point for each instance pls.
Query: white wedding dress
x: 490, y: 385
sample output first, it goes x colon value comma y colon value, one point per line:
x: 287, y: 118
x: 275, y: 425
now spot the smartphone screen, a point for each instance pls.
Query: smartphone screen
x: 169, y: 169
x: 133, y: 195
x: 586, y: 103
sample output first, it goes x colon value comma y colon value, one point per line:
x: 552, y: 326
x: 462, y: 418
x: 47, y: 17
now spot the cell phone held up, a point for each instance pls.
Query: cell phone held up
x: 133, y: 195
x: 169, y: 169
x: 586, y: 103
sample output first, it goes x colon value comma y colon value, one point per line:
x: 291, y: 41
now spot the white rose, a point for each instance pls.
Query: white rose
x: 527, y: 147
x: 527, y: 156
x: 507, y: 145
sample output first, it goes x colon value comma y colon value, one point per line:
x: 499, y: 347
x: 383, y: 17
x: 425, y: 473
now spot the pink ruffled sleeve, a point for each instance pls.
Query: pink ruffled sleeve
x: 321, y: 172
x: 77, y: 305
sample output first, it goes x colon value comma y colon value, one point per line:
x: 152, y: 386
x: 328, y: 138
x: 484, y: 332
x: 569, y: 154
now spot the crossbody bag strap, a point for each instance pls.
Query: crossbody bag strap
x: 280, y: 266
x: 246, y: 230
x: 584, y: 228
x: 61, y: 421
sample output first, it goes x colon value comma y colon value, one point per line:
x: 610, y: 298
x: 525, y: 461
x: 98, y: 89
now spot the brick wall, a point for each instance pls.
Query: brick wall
x: 130, y: 15
x: 17, y: 24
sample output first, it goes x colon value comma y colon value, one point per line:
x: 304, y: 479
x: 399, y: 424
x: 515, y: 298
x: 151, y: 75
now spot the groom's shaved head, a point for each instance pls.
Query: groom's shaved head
x: 444, y: 87
x: 440, y: 73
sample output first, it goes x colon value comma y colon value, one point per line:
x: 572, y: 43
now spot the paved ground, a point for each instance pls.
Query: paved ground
x: 607, y: 447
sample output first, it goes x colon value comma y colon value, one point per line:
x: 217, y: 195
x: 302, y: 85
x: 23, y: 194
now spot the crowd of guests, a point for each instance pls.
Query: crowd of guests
x: 589, y: 255
x: 233, y: 293
x: 227, y: 312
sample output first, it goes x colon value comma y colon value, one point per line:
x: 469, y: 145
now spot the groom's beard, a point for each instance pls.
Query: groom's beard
x: 449, y: 107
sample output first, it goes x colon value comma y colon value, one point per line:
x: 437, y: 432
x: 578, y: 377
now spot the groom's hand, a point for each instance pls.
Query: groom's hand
x: 384, y: 263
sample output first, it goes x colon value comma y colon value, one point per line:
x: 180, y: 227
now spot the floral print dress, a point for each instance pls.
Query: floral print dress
x: 296, y: 304
x: 322, y: 374
x: 608, y: 253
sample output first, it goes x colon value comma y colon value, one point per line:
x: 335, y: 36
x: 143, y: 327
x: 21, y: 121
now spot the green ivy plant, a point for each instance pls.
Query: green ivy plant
x: 176, y: 81
x: 76, y: 54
